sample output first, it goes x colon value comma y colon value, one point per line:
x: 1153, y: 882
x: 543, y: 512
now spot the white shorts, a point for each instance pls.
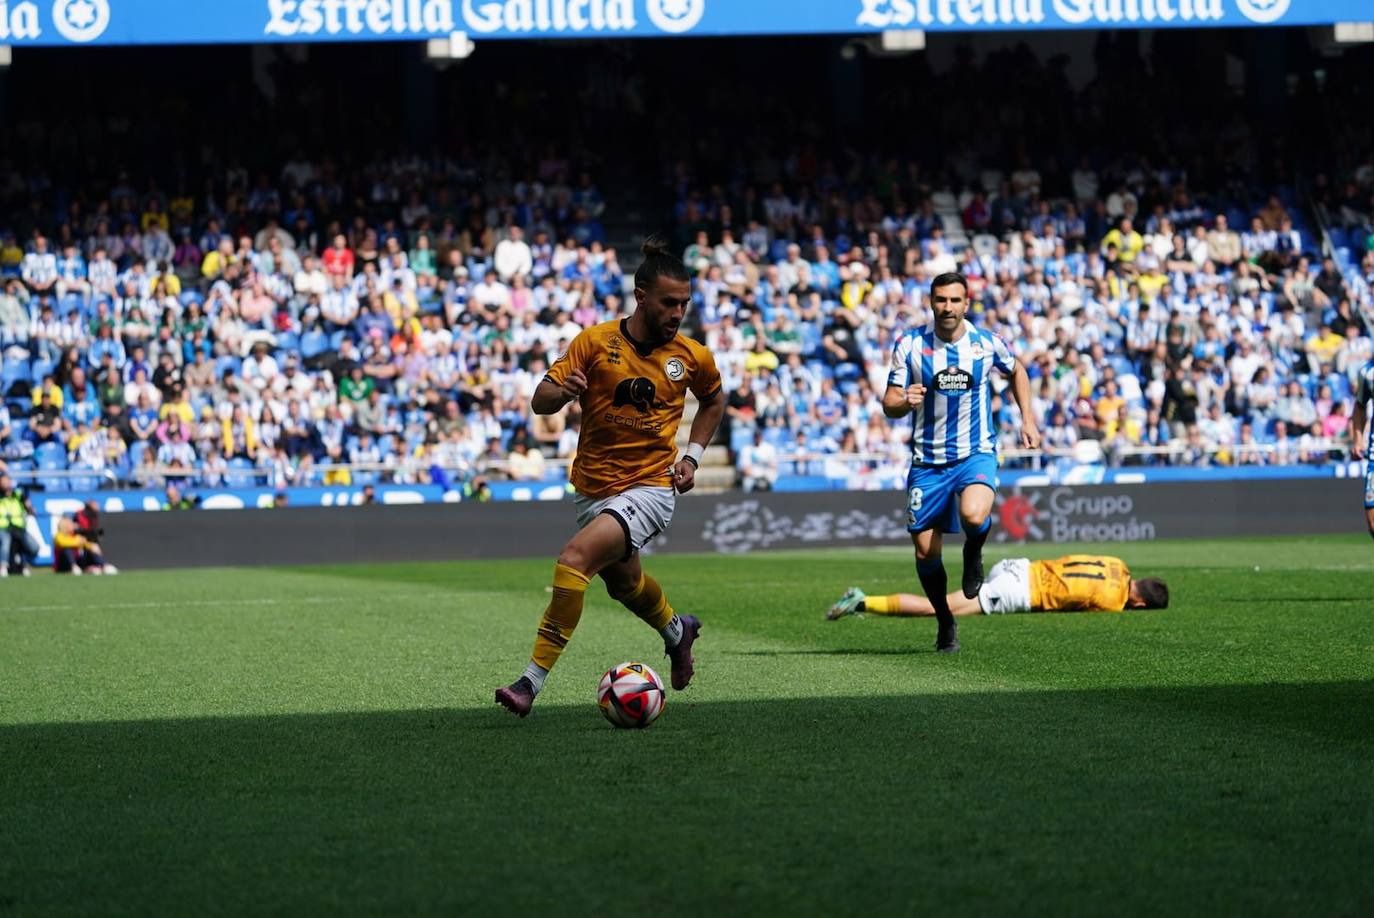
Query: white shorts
x: 1007, y: 588
x: 642, y: 512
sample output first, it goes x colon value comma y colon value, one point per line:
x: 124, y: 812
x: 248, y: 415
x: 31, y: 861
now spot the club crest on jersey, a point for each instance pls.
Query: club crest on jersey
x: 978, y: 352
x: 954, y: 381
x: 675, y: 369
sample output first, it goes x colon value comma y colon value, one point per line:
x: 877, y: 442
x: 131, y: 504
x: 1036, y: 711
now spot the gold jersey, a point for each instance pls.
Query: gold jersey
x: 1085, y: 583
x: 633, y: 405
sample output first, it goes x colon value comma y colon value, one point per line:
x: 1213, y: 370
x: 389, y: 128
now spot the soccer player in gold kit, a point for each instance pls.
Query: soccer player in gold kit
x: 631, y: 377
x: 1074, y: 583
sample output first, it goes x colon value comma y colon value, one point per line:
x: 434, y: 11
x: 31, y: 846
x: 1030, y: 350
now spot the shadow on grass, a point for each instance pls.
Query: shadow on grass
x: 835, y: 652
x: 1207, y: 799
x: 1285, y: 600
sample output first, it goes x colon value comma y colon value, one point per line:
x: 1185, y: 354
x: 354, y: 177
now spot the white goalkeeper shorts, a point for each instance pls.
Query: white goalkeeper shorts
x: 643, y: 513
x: 1006, y: 588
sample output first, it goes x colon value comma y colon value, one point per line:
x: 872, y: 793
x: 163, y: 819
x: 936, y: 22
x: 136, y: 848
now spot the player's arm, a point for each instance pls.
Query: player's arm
x: 1021, y: 391
x: 709, y: 413
x: 900, y: 401
x: 566, y: 379
x: 901, y: 397
x: 1357, y: 425
x: 550, y: 397
x: 1005, y: 362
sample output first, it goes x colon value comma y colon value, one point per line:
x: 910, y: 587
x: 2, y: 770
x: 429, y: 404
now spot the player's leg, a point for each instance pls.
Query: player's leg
x: 599, y: 543
x: 1369, y: 496
x: 977, y: 493
x: 628, y: 585
x: 930, y: 570
x: 932, y: 511
x: 911, y: 605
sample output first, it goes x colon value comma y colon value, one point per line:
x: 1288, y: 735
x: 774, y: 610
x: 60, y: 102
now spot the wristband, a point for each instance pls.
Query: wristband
x: 693, y: 454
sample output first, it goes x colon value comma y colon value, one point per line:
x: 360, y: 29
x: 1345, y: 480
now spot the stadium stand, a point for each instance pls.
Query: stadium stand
x: 386, y: 320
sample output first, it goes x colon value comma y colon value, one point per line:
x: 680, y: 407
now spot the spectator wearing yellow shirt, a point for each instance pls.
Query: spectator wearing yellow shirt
x: 179, y: 406
x: 1109, y: 407
x: 1151, y: 280
x: 1323, y: 347
x: 760, y: 357
x: 154, y: 216
x: 1127, y: 241
x: 11, y: 255
x: 53, y: 390
x: 854, y: 292
x: 218, y: 259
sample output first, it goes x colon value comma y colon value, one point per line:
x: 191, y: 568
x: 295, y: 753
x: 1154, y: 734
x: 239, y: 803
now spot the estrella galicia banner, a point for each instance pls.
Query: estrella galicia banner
x: 152, y: 22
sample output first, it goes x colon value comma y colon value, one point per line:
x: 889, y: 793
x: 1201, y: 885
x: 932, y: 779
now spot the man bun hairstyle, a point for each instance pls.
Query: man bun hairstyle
x: 1154, y: 592
x: 949, y: 277
x: 658, y: 262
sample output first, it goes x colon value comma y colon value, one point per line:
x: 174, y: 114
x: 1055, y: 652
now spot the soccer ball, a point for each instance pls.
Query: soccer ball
x: 630, y: 695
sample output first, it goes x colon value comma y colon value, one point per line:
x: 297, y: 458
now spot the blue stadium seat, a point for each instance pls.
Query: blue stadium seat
x: 239, y: 474
x: 43, y: 368
x: 52, y: 483
x: 89, y: 482
x: 740, y: 437
x: 14, y: 371
x: 227, y: 362
x: 313, y: 343
x: 50, y: 456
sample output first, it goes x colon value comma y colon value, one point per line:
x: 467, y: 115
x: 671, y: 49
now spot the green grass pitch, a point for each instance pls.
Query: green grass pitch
x: 307, y: 741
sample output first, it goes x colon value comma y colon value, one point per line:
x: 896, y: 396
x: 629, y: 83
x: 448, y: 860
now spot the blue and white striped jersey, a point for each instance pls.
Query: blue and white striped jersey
x: 955, y: 420
x: 1364, y: 392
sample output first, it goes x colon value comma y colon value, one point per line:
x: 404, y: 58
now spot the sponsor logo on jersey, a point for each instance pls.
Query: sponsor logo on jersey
x: 954, y: 381
x: 638, y: 392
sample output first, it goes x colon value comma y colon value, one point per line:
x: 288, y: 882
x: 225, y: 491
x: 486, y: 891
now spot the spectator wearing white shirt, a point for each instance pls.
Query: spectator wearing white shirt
x: 491, y: 297
x: 158, y: 245
x: 102, y: 273
x: 260, y: 369
x: 758, y: 464
x: 39, y: 269
x: 513, y: 256
x: 310, y: 279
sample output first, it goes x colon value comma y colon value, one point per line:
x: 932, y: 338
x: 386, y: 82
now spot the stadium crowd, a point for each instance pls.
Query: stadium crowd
x: 314, y: 324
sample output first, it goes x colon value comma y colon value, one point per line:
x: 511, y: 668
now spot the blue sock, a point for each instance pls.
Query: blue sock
x: 935, y: 583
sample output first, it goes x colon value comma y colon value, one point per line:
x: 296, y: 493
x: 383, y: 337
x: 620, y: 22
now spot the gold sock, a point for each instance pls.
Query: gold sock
x: 880, y: 605
x: 561, y: 617
x: 648, y: 602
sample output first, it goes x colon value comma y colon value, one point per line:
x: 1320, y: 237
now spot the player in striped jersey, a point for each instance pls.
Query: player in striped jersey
x: 942, y: 376
x: 1362, y: 438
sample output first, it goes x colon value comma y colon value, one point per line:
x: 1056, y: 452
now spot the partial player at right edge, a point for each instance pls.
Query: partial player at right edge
x: 1362, y: 438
